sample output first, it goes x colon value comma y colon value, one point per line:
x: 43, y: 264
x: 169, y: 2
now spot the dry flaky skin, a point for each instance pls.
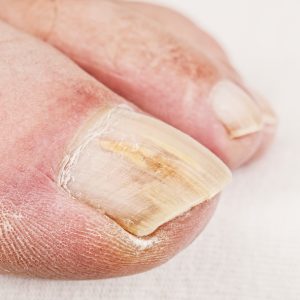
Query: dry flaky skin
x: 140, y: 171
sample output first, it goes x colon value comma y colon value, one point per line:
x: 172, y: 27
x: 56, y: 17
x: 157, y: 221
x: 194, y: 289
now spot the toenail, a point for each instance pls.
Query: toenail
x: 237, y: 111
x: 139, y: 171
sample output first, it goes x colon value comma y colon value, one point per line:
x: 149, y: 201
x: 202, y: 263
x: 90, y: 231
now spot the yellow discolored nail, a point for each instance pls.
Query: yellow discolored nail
x: 140, y: 171
x: 237, y: 111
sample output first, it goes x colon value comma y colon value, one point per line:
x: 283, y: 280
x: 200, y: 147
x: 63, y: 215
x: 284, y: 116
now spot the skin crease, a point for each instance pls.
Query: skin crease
x: 151, y: 56
x: 43, y: 232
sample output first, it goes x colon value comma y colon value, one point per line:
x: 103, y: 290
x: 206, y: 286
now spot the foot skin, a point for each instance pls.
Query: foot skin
x: 91, y: 187
x: 160, y: 61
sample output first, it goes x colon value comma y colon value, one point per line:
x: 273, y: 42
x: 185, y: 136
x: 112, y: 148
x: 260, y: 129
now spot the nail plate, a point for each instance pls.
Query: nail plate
x: 140, y: 171
x: 237, y: 111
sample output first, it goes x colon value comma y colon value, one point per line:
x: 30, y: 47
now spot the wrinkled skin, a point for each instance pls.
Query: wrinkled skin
x: 152, y: 57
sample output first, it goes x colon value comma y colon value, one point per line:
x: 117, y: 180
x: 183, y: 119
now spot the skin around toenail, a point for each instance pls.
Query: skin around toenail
x: 237, y: 111
x: 139, y: 171
x: 269, y: 116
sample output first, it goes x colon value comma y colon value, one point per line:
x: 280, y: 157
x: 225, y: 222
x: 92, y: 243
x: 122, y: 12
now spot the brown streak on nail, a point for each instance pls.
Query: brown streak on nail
x: 156, y: 164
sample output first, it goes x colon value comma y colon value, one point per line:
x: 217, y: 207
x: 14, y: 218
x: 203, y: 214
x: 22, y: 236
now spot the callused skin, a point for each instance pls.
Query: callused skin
x: 44, y: 232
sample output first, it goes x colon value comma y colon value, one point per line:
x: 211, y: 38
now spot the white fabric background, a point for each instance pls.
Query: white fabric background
x: 251, y: 248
